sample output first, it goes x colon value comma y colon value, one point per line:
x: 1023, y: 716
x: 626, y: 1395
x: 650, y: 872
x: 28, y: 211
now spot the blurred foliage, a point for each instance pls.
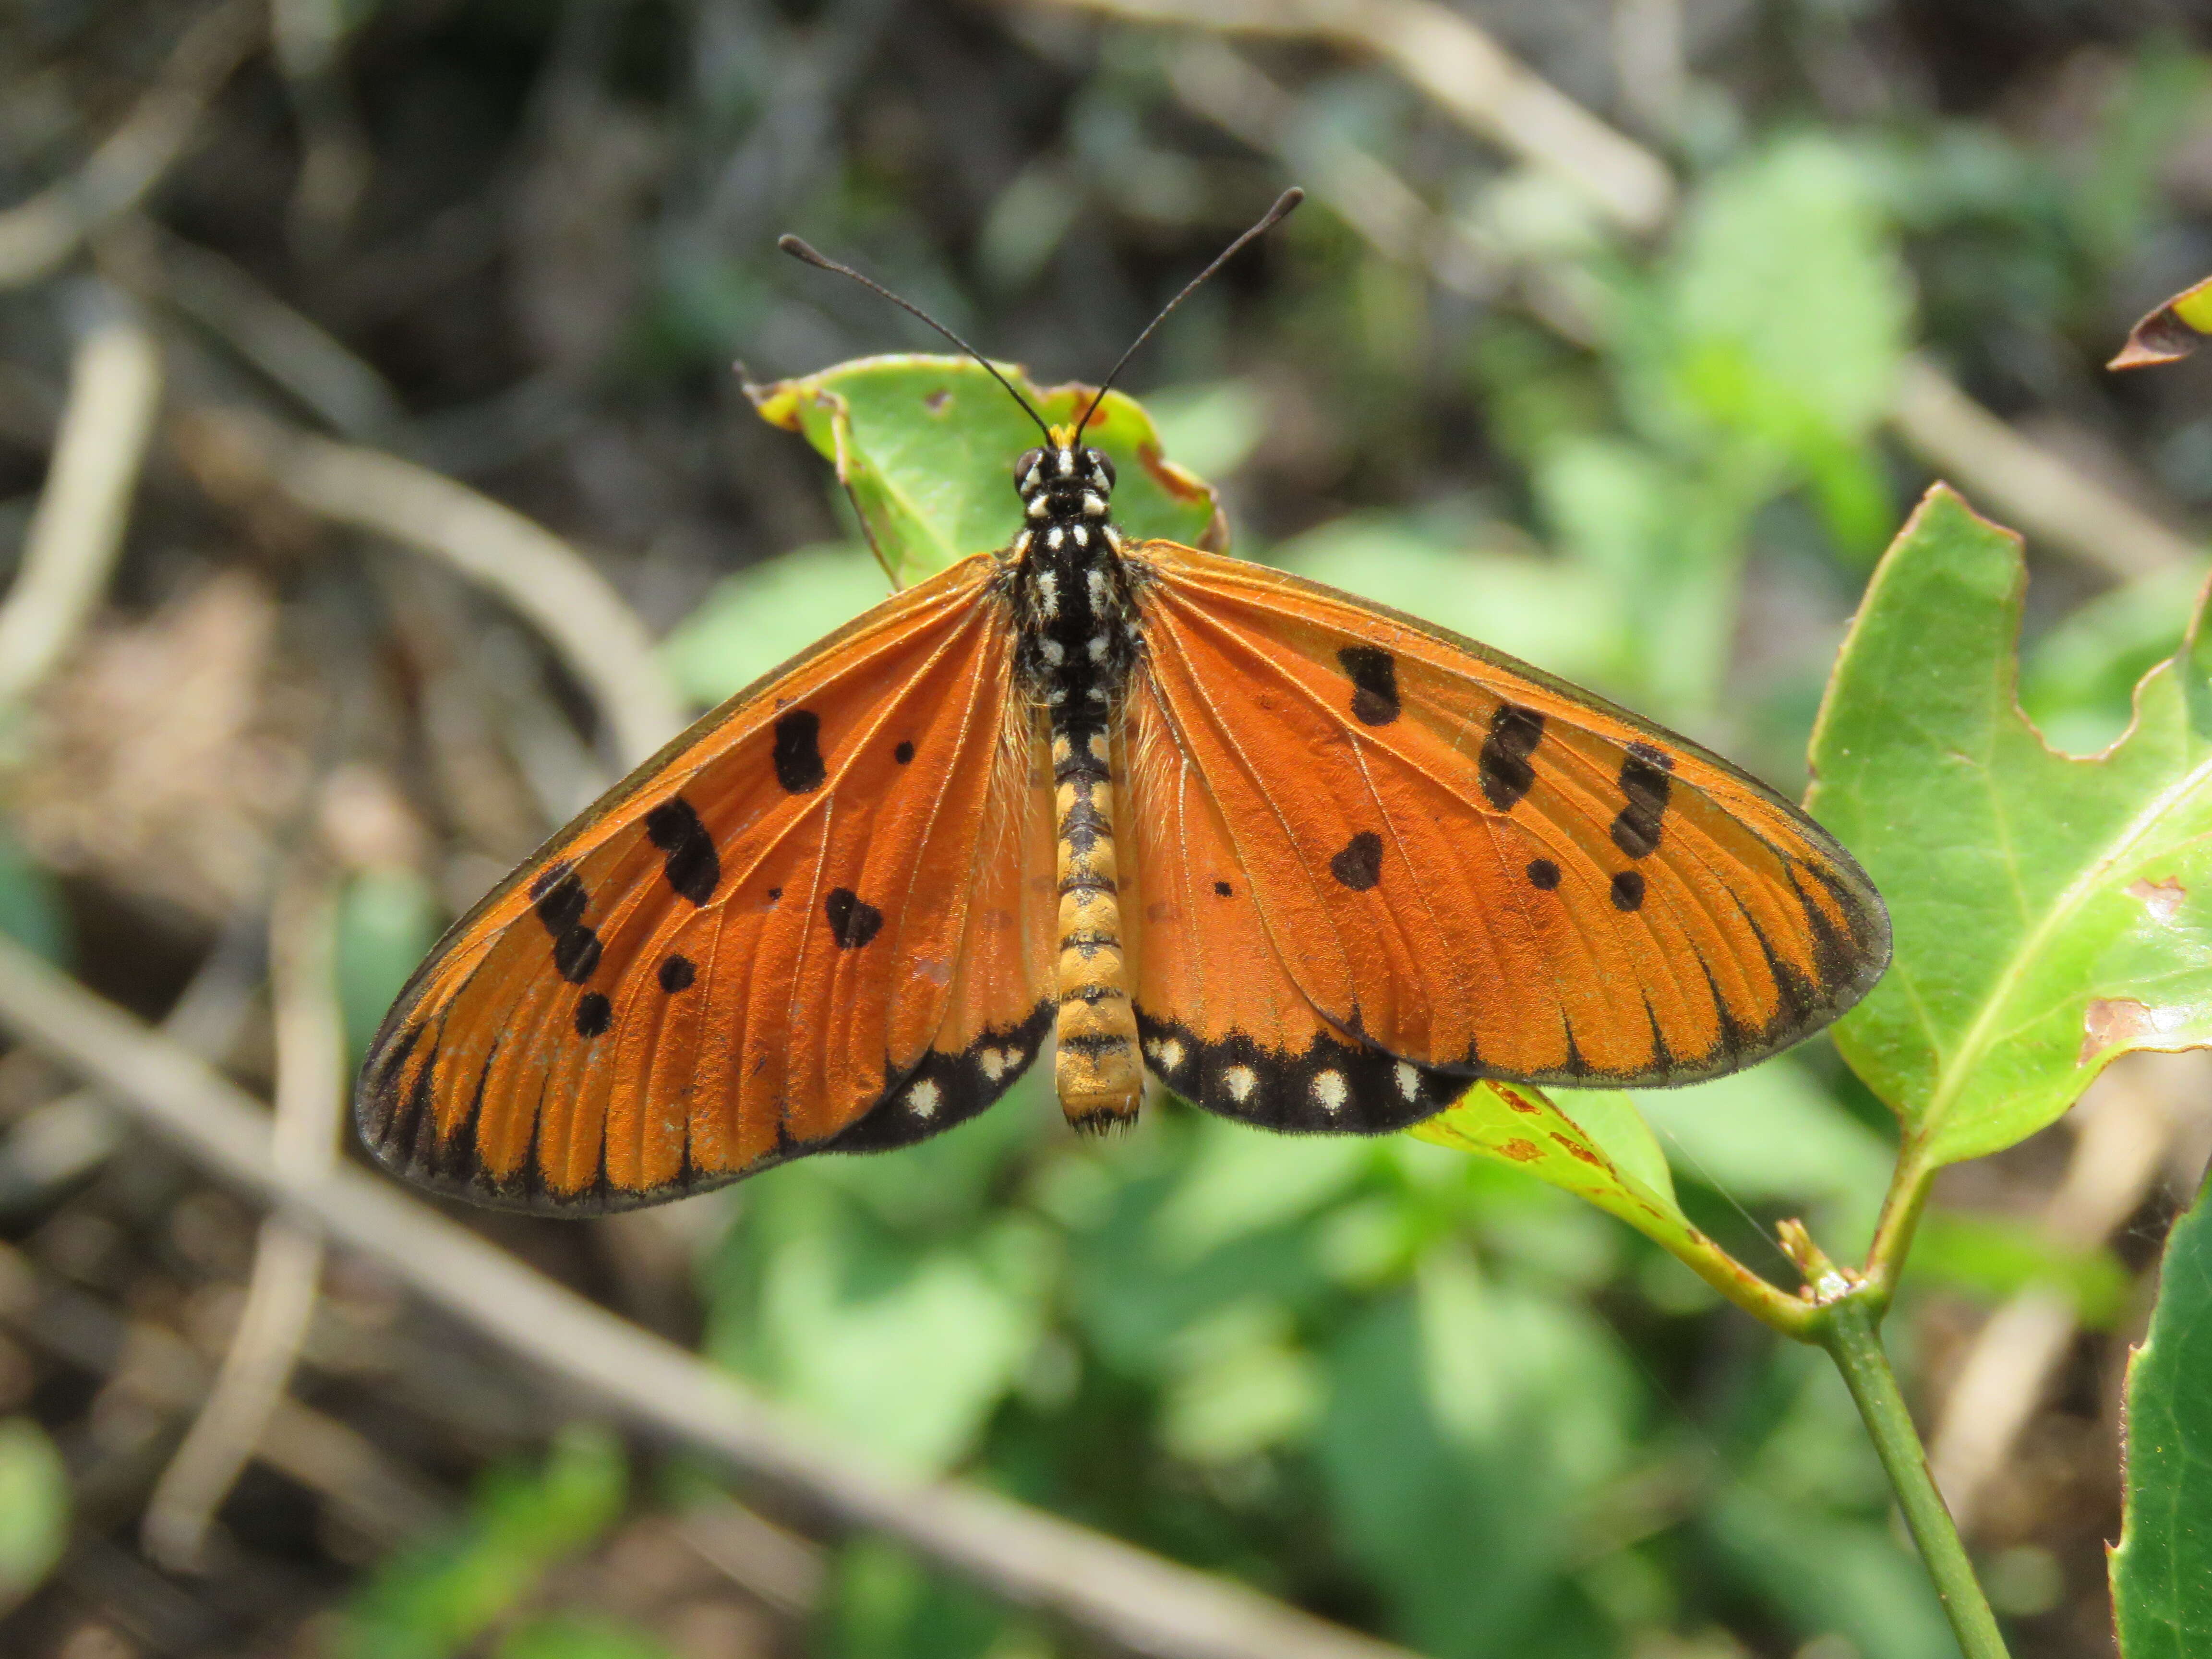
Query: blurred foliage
x: 34, y: 1508
x: 437, y: 1598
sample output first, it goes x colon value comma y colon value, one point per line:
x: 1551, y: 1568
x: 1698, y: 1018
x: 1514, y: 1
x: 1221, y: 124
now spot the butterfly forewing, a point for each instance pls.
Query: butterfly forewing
x: 1453, y: 857
x: 806, y: 923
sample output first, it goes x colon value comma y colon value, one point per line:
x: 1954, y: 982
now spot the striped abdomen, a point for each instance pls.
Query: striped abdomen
x: 1101, y: 1081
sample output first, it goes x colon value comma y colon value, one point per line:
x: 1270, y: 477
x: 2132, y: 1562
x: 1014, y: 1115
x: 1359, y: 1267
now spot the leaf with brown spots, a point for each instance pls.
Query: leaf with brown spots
x: 2051, y: 912
x: 1604, y: 1152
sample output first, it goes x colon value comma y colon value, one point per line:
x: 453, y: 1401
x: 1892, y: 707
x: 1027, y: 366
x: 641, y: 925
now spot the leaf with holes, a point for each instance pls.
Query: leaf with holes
x: 2049, y: 913
x: 925, y: 448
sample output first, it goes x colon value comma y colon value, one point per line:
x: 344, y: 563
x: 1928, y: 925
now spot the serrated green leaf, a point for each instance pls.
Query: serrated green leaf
x: 2163, y: 1570
x: 925, y: 446
x: 2049, y: 913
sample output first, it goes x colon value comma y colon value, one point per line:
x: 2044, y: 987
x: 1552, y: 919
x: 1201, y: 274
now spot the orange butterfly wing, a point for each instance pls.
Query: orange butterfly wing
x: 1377, y: 859
x: 809, y: 924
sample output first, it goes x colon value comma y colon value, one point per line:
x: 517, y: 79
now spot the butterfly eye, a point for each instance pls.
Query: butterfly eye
x: 1025, y: 469
x: 1101, y: 468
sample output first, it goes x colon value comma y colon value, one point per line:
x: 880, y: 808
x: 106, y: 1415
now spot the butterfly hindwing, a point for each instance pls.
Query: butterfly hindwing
x: 804, y: 925
x: 1454, y: 860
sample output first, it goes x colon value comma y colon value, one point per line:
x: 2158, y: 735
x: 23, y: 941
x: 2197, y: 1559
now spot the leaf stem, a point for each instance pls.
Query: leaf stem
x: 1901, y: 1216
x: 1851, y: 1336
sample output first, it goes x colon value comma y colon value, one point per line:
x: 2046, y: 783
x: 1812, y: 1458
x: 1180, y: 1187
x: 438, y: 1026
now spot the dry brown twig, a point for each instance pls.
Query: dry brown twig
x: 1469, y: 76
x: 37, y: 236
x: 549, y: 583
x: 288, y: 1257
x: 76, y: 533
x: 1145, y: 1604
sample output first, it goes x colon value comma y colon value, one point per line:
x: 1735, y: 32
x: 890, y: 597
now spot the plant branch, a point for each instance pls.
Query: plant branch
x: 1144, y: 1603
x: 1901, y: 1207
x: 1853, y: 1340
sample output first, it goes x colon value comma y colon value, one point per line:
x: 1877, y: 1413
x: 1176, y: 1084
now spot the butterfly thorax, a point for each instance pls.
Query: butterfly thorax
x: 1077, y: 631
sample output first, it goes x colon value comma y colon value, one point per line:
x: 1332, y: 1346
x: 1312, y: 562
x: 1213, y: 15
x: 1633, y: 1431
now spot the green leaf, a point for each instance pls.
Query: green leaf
x: 1603, y: 1153
x: 2163, y: 1570
x: 926, y: 447
x: 35, y: 1509
x: 2049, y: 913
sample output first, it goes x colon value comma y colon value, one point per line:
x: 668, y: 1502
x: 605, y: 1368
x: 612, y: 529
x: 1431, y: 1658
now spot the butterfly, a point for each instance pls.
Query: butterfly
x: 1313, y: 863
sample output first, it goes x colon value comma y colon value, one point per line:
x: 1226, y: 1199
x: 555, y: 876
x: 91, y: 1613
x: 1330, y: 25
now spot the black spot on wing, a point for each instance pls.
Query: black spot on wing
x: 1373, y: 673
x: 1223, y: 888
x: 798, y: 755
x: 853, y: 921
x: 1359, y: 866
x: 558, y: 898
x: 945, y: 1088
x: 692, y: 866
x: 1543, y: 874
x: 903, y: 753
x: 677, y: 974
x: 1645, y: 782
x: 1503, y: 765
x: 1331, y: 1087
x: 594, y: 1013
x: 1628, y: 889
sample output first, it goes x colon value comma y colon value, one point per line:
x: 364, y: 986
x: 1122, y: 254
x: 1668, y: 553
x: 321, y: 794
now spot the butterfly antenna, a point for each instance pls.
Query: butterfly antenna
x: 1289, y: 199
x: 799, y: 250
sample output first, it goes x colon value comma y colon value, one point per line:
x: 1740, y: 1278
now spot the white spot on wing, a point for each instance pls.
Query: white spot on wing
x: 1409, y: 1081
x: 1330, y: 1091
x: 1172, y: 1055
x: 924, y: 1098
x: 1240, y: 1081
x: 994, y: 1063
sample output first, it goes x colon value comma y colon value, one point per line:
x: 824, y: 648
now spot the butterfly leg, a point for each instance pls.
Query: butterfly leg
x: 1100, y: 1079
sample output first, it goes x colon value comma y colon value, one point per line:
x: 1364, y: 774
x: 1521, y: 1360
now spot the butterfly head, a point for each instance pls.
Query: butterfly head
x: 1066, y: 481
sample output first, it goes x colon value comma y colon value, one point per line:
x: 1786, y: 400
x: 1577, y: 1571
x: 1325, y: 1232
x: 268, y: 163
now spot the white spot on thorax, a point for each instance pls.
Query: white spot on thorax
x: 923, y: 1099
x: 1082, y: 536
x: 1022, y: 543
x: 1037, y: 508
x: 1055, y: 536
x: 1052, y: 651
x: 1240, y: 1081
x: 1066, y: 463
x: 1048, y: 583
x: 1409, y: 1081
x: 1058, y: 694
x: 1330, y: 1091
x: 1097, y: 581
x: 1096, y: 694
x: 1094, y: 505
